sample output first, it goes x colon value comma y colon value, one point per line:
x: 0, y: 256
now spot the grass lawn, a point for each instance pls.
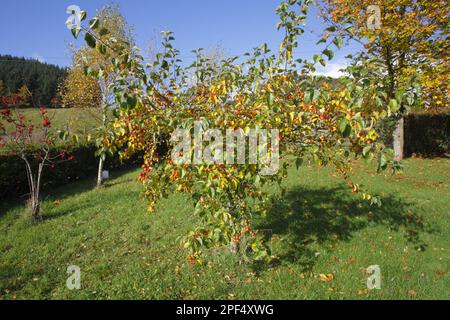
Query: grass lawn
x: 318, y: 227
x: 65, y: 118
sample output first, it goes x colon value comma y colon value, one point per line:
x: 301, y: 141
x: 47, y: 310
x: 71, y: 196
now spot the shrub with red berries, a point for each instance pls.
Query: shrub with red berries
x: 40, y: 139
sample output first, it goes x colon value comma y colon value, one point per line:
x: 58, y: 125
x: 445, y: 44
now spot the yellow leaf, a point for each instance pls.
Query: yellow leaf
x: 412, y: 293
x: 326, y: 277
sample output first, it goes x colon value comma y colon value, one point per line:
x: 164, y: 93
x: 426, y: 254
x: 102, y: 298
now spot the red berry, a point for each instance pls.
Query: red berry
x: 46, y: 122
x: 6, y: 112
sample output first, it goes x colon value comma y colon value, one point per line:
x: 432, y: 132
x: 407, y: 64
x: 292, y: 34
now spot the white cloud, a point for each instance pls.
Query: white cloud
x: 38, y: 57
x: 332, y: 69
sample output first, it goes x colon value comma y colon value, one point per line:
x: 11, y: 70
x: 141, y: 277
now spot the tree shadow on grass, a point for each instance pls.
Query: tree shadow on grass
x: 304, y: 216
x: 61, y: 193
x: 86, y: 186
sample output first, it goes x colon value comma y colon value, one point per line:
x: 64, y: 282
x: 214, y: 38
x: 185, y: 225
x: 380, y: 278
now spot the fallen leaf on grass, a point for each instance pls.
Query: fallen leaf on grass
x: 326, y: 278
x: 363, y: 291
x: 412, y: 293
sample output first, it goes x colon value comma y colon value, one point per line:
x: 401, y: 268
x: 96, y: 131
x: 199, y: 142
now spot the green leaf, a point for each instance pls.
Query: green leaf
x: 316, y: 58
x: 311, y: 95
x: 345, y: 128
x: 316, y: 94
x: 87, y: 70
x: 338, y: 41
x: 102, y: 48
x: 83, y: 15
x: 270, y: 99
x: 322, y: 62
x: 103, y: 32
x: 410, y: 99
x: 90, y: 40
x: 328, y: 53
x: 347, y: 131
x: 94, y: 23
x: 393, y: 105
x: 366, y: 150
x: 76, y: 31
x: 304, y: 9
x: 382, y: 163
x: 132, y: 101
x: 342, y: 125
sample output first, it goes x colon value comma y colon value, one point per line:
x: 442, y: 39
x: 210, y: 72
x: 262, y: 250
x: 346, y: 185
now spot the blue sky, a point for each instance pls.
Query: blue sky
x: 36, y: 29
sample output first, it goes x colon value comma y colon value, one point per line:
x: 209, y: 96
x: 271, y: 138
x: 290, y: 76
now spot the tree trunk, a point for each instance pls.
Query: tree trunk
x: 101, y: 162
x: 34, y: 185
x: 100, y: 173
x: 399, y: 139
x: 35, y: 208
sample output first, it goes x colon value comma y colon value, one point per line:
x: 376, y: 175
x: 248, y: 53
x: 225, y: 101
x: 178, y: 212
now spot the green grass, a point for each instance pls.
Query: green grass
x: 319, y: 227
x: 72, y: 119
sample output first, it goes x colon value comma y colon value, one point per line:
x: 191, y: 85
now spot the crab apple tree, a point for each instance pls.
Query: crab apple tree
x: 260, y: 89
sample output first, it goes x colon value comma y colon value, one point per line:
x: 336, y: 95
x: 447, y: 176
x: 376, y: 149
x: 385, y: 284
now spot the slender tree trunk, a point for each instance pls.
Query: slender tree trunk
x: 35, y: 208
x: 34, y: 190
x: 100, y: 172
x: 399, y: 139
x: 101, y: 163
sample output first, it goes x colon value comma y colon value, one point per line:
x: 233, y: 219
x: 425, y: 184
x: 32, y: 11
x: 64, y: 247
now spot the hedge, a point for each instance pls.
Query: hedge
x: 13, y: 180
x: 426, y: 135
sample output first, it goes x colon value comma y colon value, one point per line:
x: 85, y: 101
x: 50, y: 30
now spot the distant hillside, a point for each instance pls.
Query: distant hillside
x: 41, y: 78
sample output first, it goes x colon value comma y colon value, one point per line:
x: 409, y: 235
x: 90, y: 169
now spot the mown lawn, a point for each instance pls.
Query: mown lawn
x: 318, y: 227
x: 73, y: 119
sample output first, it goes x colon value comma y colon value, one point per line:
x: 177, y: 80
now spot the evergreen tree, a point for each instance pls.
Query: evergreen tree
x: 40, y: 78
x: 3, y: 91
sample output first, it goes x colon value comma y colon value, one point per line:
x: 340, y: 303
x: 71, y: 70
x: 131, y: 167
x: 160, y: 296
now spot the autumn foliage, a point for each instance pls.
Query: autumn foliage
x: 412, y: 41
x: 317, y: 123
x: 33, y: 144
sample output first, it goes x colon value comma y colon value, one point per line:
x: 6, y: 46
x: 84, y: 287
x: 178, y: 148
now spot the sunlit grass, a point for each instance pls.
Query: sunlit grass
x: 70, y: 119
x: 318, y: 227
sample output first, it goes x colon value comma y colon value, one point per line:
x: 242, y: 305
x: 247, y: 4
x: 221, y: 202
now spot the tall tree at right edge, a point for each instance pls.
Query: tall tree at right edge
x: 412, y: 39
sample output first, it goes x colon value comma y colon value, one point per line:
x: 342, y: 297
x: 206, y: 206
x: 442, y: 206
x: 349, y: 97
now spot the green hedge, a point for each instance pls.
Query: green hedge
x: 13, y: 180
x: 427, y: 135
